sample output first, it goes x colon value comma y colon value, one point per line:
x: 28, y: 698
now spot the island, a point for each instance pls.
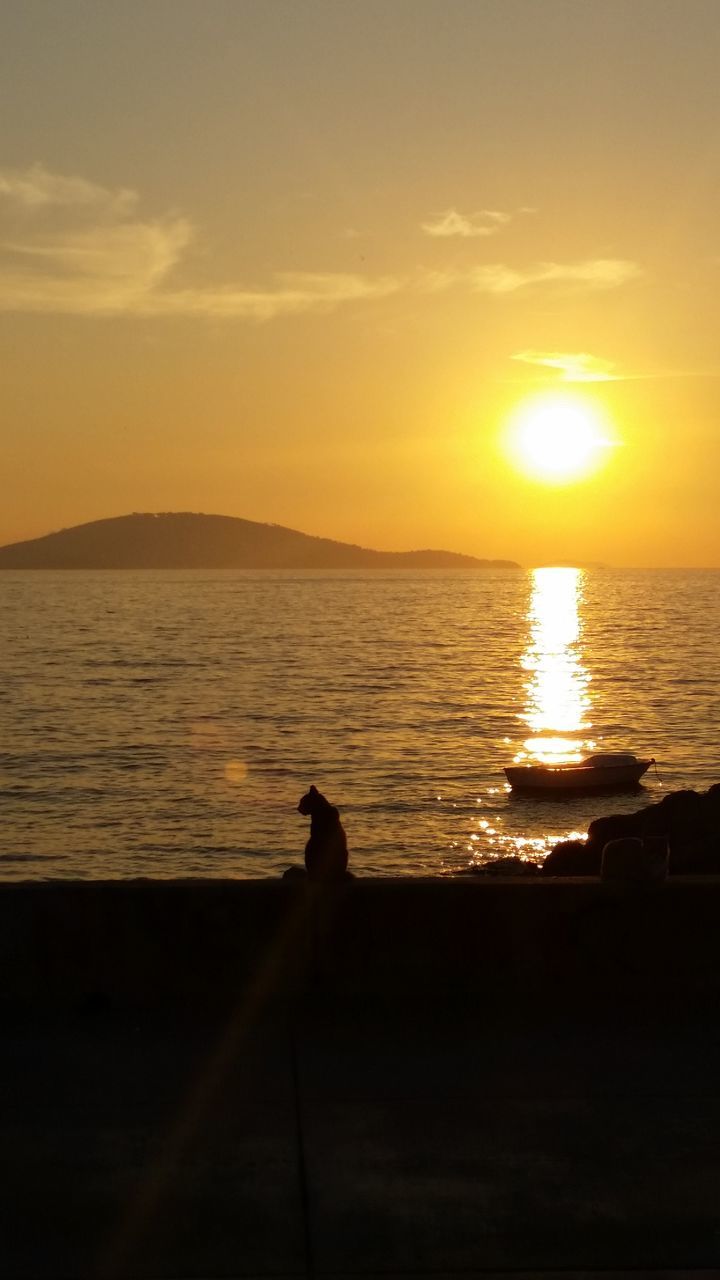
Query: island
x: 192, y: 540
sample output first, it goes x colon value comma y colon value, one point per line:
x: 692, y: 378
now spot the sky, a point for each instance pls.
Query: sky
x: 306, y: 261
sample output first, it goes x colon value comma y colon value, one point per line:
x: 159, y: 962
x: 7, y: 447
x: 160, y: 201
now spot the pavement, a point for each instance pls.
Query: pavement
x: 337, y: 1138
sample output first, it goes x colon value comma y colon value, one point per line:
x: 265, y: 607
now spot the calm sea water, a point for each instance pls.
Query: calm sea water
x: 166, y: 724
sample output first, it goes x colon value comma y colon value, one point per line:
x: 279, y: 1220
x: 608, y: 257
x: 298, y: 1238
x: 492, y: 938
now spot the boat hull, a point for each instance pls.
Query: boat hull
x: 542, y: 778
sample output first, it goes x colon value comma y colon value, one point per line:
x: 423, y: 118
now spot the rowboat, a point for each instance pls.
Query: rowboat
x: 597, y: 773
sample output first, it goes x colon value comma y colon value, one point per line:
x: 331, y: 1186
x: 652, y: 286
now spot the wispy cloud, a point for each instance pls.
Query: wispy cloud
x: 37, y: 188
x: 290, y: 294
x: 594, y: 273
x: 69, y: 246
x: 80, y: 250
x: 427, y: 280
x: 486, y: 222
x: 501, y: 279
x: 573, y: 366
x: 99, y: 270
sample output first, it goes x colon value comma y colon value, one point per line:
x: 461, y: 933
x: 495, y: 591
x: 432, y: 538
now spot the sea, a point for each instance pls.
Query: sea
x: 165, y: 724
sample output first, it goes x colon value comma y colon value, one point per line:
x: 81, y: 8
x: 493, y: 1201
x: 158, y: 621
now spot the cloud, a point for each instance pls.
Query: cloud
x: 576, y: 366
x: 291, y: 294
x: 451, y: 223
x: 36, y: 188
x: 69, y: 246
x: 139, y: 251
x: 102, y: 270
x: 427, y: 280
x: 500, y: 279
x: 89, y: 256
x: 594, y: 273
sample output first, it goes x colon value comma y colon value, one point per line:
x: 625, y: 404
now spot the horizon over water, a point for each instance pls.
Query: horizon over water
x: 165, y: 723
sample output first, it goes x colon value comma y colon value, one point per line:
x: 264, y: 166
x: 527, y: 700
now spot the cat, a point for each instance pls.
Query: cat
x: 326, y: 852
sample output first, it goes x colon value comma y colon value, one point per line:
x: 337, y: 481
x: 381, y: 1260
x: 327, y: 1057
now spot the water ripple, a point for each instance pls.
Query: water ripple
x: 166, y: 724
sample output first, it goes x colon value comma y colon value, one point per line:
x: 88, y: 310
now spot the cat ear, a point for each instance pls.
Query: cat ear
x: 313, y: 788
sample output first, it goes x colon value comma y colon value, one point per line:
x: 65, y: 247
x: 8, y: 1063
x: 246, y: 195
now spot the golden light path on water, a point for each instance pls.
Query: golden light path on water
x: 558, y: 701
x: 556, y: 706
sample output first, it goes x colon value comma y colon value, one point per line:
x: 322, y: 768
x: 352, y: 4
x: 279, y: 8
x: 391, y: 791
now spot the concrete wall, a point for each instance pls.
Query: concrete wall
x: 195, y: 944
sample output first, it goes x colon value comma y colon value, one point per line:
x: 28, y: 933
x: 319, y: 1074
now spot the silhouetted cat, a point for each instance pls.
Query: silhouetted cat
x: 326, y: 852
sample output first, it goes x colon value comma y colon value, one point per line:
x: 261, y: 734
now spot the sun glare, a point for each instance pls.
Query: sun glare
x: 557, y: 439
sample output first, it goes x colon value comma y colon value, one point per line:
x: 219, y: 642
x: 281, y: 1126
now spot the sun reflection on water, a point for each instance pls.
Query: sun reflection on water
x: 555, y: 715
x: 557, y: 697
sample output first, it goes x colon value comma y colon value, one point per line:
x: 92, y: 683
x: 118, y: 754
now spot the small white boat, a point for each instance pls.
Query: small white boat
x: 596, y: 773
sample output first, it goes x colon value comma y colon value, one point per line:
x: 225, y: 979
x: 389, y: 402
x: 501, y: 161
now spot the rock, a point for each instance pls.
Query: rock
x: 688, y: 821
x: 618, y: 826
x: 680, y: 814
x: 573, y: 858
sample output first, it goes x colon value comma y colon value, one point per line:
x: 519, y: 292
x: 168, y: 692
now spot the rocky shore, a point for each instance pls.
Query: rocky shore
x: 678, y: 836
x: 683, y: 827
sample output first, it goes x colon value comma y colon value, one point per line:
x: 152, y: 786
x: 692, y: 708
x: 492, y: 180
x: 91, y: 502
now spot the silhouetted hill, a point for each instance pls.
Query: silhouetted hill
x: 182, y: 540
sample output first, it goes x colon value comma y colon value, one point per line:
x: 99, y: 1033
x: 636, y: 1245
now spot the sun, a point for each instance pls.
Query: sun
x: 557, y: 438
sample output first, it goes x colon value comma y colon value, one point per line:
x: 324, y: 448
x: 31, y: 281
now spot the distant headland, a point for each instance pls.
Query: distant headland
x: 187, y: 540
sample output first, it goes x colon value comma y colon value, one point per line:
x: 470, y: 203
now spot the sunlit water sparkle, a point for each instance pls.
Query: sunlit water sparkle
x: 165, y: 724
x: 557, y: 700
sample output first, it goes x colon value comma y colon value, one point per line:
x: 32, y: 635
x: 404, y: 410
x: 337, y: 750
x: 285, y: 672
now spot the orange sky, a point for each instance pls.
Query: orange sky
x: 301, y: 263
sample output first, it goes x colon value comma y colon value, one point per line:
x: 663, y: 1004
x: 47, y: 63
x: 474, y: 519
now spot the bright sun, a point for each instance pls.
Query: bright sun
x: 557, y: 438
